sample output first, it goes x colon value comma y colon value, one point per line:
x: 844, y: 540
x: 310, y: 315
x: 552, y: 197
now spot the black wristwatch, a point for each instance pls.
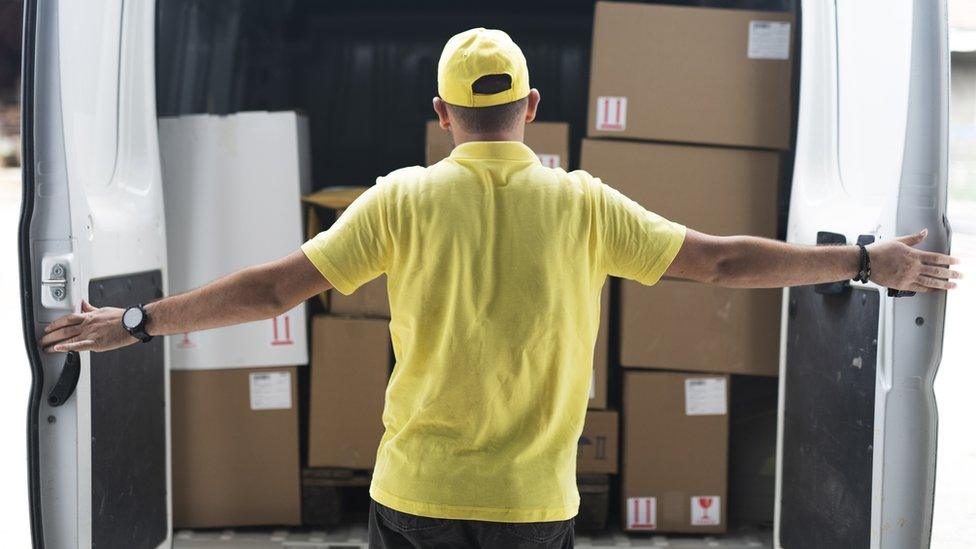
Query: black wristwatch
x: 134, y: 320
x: 864, y: 265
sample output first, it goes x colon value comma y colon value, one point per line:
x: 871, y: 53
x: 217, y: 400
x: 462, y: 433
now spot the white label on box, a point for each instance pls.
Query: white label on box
x: 611, y: 113
x: 593, y: 385
x: 642, y: 513
x: 705, y: 396
x: 549, y: 160
x: 706, y: 510
x: 769, y: 40
x: 271, y: 391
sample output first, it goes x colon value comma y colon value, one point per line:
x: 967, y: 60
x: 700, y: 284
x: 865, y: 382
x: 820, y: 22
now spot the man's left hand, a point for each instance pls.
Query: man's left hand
x: 93, y: 329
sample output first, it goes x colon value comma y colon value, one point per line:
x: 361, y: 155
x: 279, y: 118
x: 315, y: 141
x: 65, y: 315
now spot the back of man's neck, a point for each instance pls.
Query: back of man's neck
x: 500, y: 136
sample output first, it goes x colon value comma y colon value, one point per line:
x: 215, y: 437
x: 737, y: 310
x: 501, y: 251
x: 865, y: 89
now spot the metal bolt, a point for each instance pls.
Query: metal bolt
x: 57, y: 271
x: 58, y: 293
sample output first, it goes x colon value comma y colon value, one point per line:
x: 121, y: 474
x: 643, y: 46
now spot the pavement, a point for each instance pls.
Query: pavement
x: 955, y: 502
x: 15, y: 383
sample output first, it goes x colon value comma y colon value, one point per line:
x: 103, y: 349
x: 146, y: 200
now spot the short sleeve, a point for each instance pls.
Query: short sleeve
x: 636, y: 244
x: 355, y: 249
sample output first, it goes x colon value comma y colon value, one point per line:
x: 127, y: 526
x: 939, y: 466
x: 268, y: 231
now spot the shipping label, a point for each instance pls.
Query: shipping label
x: 705, y: 396
x: 549, y: 160
x: 611, y: 114
x: 769, y: 40
x: 271, y: 391
x: 706, y: 510
x: 642, y: 513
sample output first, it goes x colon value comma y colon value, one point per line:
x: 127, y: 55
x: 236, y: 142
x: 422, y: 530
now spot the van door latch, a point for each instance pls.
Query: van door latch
x: 67, y: 381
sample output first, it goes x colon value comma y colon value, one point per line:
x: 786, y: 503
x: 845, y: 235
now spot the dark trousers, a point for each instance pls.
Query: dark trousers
x: 391, y: 529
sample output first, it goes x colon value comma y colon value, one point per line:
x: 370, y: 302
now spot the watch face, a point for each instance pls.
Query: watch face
x: 132, y: 317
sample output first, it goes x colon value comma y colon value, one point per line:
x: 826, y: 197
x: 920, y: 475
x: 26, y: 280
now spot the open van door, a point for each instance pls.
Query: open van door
x: 92, y: 227
x: 857, y: 413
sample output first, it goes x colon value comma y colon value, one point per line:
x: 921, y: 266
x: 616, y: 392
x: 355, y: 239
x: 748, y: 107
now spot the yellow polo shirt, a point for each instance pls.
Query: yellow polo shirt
x: 494, y: 266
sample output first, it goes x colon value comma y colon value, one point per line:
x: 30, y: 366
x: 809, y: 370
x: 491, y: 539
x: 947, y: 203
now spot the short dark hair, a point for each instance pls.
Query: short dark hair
x: 498, y: 118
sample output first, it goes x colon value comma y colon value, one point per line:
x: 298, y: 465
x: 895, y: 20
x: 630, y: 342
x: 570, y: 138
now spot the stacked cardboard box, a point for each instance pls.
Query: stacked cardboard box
x: 235, y: 447
x: 689, y: 111
x: 675, y: 461
x: 350, y: 368
x: 235, y: 434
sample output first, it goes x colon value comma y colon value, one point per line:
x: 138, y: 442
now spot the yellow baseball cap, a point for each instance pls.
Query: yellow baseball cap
x: 476, y: 53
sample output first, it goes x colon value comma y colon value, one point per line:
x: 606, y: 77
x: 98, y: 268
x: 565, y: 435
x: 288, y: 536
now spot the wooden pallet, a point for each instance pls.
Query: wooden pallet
x: 594, y: 502
x: 333, y: 496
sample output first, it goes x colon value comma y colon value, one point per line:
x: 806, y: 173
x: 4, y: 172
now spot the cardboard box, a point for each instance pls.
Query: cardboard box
x: 369, y: 300
x: 714, y: 190
x: 235, y: 448
x: 594, y: 507
x: 694, y: 75
x: 350, y: 369
x: 727, y: 330
x: 601, y: 354
x: 675, y: 452
x: 232, y: 186
x: 549, y: 140
x: 597, y: 450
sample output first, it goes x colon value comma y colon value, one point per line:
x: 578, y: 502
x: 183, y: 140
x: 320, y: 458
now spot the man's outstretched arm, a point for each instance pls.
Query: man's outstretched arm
x: 752, y: 262
x: 256, y: 293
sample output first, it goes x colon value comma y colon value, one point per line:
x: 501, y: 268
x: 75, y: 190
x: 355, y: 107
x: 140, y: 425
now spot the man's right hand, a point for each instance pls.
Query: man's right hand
x: 752, y: 262
x: 897, y: 264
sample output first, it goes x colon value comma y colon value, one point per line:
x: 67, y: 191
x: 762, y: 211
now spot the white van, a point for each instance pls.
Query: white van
x: 857, y: 418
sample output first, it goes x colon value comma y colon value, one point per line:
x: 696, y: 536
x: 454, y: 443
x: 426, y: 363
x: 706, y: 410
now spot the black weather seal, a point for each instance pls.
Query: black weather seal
x: 26, y: 278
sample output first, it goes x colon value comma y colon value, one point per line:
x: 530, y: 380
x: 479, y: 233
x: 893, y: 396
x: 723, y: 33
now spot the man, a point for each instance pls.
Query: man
x: 495, y: 266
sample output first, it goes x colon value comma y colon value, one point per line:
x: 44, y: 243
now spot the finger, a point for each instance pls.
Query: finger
x: 918, y: 288
x: 932, y: 258
x: 936, y: 283
x: 86, y: 307
x: 66, y: 320
x: 60, y: 335
x: 81, y: 345
x: 58, y: 347
x: 913, y: 239
x: 939, y: 272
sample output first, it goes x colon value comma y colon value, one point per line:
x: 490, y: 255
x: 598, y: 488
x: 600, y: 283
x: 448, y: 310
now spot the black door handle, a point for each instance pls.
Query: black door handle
x: 67, y: 381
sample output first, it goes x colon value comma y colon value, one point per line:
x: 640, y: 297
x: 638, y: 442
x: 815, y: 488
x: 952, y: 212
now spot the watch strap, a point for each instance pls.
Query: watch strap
x: 139, y: 331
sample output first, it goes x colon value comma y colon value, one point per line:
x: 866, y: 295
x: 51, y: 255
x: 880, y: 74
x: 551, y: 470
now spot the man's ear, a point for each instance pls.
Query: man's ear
x: 440, y: 107
x: 533, y: 105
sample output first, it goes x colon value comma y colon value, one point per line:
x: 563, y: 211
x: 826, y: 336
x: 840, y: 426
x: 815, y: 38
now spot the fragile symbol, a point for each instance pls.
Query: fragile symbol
x: 706, y: 510
x: 642, y: 513
x: 705, y: 504
x: 283, y: 336
x: 611, y: 113
x: 185, y: 343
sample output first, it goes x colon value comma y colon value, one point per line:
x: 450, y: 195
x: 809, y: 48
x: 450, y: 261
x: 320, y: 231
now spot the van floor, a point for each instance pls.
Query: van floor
x: 354, y: 537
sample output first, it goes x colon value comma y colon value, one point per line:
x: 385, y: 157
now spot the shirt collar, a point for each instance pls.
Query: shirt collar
x: 494, y: 150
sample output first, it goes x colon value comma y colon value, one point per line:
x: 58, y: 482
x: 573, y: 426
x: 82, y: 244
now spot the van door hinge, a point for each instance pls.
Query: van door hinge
x: 56, y: 282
